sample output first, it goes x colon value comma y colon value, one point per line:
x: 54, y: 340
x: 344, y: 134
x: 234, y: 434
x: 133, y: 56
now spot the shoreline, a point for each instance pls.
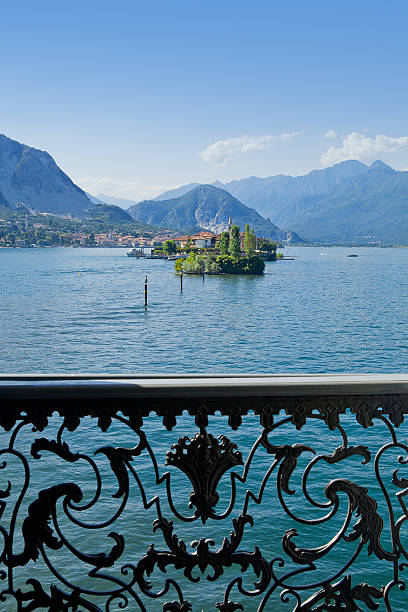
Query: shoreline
x: 297, y: 246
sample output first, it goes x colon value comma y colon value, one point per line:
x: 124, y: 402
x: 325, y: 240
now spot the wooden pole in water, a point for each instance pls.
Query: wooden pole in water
x: 145, y: 291
x: 181, y: 281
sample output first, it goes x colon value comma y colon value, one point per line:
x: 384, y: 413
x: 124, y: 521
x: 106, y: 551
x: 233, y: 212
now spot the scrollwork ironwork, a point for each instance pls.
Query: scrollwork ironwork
x: 54, y: 526
x: 204, y: 459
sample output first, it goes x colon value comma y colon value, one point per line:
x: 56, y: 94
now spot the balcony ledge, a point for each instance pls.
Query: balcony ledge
x: 15, y: 387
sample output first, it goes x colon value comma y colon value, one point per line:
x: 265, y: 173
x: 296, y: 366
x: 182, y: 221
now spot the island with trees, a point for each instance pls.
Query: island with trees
x: 233, y: 253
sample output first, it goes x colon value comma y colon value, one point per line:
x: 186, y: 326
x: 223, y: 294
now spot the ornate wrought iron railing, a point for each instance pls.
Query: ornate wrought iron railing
x: 204, y: 493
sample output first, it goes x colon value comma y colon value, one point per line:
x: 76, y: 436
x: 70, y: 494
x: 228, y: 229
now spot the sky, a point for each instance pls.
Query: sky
x: 134, y: 97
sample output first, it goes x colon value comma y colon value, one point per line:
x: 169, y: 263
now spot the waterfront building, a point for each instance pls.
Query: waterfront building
x: 201, y: 240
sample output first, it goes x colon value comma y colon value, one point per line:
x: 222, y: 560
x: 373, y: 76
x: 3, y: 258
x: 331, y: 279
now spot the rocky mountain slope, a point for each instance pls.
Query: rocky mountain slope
x: 207, y: 207
x: 31, y: 178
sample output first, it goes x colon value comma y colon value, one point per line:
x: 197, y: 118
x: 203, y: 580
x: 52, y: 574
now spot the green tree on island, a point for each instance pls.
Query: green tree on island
x: 268, y: 246
x: 249, y: 241
x: 194, y: 264
x: 223, y: 245
x: 234, y: 246
x: 170, y: 247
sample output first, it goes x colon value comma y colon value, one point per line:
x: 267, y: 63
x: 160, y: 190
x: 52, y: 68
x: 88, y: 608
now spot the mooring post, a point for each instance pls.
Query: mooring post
x: 181, y: 281
x: 145, y: 291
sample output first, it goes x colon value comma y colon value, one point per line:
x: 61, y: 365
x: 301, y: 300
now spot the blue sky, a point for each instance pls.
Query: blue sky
x: 132, y: 97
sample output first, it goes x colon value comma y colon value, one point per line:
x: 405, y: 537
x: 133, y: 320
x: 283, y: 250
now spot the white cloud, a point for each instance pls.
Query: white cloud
x: 289, y: 136
x: 131, y: 190
x: 331, y: 134
x: 221, y: 152
x: 363, y: 148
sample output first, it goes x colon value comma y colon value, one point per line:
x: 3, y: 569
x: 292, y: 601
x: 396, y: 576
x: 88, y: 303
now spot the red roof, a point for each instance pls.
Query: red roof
x: 203, y: 235
x: 199, y: 236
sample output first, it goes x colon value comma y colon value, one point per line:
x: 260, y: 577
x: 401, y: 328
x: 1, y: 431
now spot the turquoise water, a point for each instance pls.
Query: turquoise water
x: 81, y: 310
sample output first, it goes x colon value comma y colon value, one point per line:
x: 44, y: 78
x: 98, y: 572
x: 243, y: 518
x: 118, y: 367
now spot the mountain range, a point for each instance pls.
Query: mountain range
x: 348, y: 202
x: 207, y: 207
x: 31, y: 179
x: 269, y: 195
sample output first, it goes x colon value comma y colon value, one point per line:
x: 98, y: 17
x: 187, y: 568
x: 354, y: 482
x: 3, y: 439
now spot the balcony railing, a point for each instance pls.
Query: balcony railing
x: 203, y: 493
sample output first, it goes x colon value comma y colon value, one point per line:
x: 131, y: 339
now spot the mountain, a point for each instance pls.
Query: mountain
x: 122, y: 202
x: 207, y: 207
x: 109, y: 213
x: 3, y: 201
x: 31, y: 178
x: 95, y: 200
x: 178, y: 191
x: 167, y: 195
x: 372, y: 206
x: 269, y: 195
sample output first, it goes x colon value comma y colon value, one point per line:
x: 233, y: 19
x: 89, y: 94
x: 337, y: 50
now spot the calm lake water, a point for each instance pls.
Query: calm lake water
x: 81, y: 310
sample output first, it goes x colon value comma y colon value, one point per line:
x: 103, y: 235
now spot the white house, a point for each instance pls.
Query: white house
x: 201, y: 240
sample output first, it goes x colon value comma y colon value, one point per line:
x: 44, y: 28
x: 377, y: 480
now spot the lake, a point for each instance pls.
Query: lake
x: 81, y: 310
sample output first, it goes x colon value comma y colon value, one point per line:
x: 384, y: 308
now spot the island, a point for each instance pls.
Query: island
x: 231, y: 252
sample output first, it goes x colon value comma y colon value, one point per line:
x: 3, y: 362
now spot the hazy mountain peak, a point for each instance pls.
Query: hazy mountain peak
x: 351, y: 163
x: 176, y: 192
x: 379, y: 165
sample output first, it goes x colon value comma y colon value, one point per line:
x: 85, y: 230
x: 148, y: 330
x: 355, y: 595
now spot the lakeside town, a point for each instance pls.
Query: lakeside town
x: 47, y: 230
x: 50, y: 230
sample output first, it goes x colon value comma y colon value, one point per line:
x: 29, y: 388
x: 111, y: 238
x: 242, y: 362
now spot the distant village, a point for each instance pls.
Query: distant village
x: 67, y: 233
x: 36, y: 232
x: 42, y: 235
